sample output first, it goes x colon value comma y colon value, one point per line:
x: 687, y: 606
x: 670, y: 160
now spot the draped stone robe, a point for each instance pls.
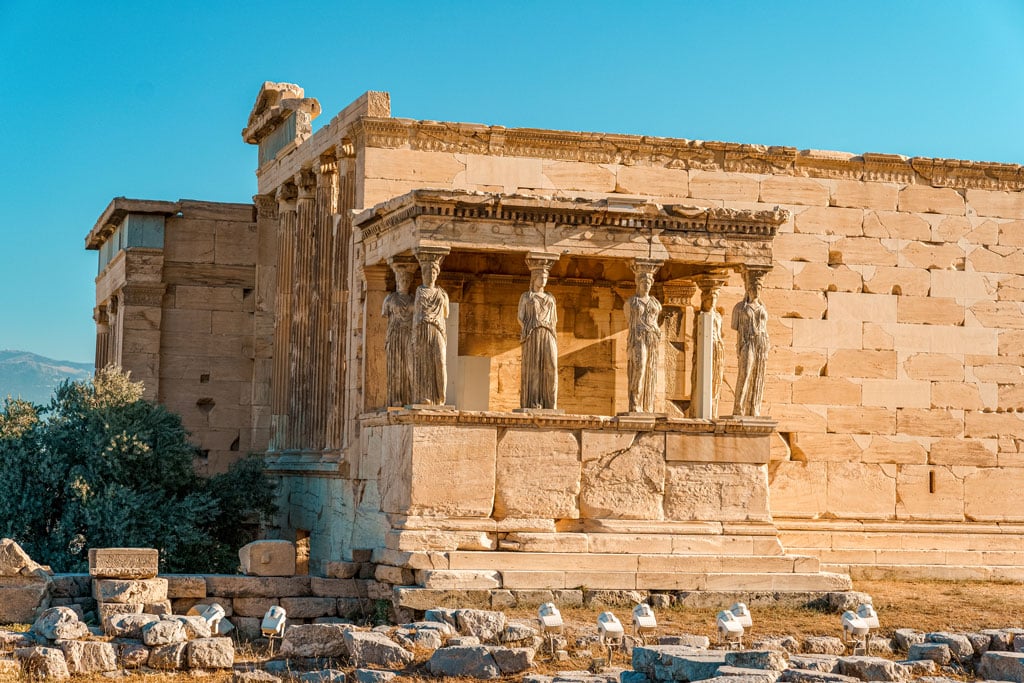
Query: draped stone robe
x: 430, y: 344
x: 750, y: 320
x: 538, y: 316
x: 398, y: 309
x: 643, y: 348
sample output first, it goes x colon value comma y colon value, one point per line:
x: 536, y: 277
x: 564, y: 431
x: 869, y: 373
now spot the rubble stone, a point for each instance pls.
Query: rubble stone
x: 870, y: 668
x: 375, y: 649
x: 774, y: 660
x: 1002, y: 666
x: 128, y: 625
x: 959, y: 646
x: 88, y: 656
x: 60, y: 623
x: 483, y: 624
x: 133, y: 655
x: 824, y: 645
x: 936, y: 652
x: 168, y: 657
x: 211, y: 653
x: 473, y: 661
x: 323, y: 676
x: 315, y: 640
x: 43, y: 663
x: 164, y: 632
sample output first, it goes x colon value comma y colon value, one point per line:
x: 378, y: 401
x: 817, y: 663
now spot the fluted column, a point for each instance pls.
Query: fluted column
x: 339, y: 288
x: 281, y: 380
x: 323, y: 269
x: 299, y: 403
x: 99, y: 314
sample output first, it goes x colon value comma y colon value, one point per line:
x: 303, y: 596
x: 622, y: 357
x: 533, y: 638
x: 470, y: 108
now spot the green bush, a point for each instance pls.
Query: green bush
x: 102, y: 467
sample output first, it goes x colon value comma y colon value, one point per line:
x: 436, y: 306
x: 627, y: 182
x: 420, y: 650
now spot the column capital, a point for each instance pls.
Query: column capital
x: 266, y: 205
x: 285, y: 196
x: 678, y: 293
x: 305, y: 180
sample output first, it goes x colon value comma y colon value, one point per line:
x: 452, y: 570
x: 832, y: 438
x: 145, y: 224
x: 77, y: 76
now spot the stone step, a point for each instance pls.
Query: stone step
x: 630, y: 563
x: 956, y: 538
x: 959, y: 558
x: 872, y: 572
x: 689, y: 581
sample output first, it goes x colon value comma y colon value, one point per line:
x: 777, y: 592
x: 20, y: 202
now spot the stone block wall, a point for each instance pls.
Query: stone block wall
x: 895, y: 302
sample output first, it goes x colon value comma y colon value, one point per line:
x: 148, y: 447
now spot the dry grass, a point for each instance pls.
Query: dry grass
x: 924, y: 605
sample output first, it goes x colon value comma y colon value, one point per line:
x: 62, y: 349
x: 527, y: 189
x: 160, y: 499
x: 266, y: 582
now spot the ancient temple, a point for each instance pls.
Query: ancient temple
x: 528, y: 359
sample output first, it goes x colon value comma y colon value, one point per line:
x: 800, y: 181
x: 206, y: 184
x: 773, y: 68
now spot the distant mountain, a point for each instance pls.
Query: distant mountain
x: 33, y: 378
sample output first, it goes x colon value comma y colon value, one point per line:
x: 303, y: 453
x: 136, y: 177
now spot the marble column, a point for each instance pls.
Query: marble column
x: 280, y: 397
x: 708, y: 348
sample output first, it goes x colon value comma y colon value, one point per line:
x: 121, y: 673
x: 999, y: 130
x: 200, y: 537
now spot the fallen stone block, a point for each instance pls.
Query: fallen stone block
x: 324, y: 676
x: 12, y: 640
x: 484, y: 624
x: 959, y: 646
x: 513, y: 660
x: 781, y: 643
x: 701, y: 642
x: 905, y: 637
x: 123, y: 563
x: 427, y: 639
x: 748, y: 675
x: 368, y: 648
x: 936, y: 652
x: 121, y: 591
x: 127, y: 625
x: 1002, y: 666
x: 195, y: 627
x: 160, y: 609
x: 824, y: 645
x: 14, y: 561
x: 774, y: 660
x: 132, y: 655
x: 22, y: 598
x: 373, y: 676
x: 60, y: 623
x: 1000, y: 640
x: 315, y: 640
x: 439, y: 626
x: 89, y: 656
x: 733, y: 679
x: 677, y: 662
x: 880, y: 646
x: 211, y: 653
x: 918, y: 668
x: 979, y: 641
x: 254, y: 676
x: 815, y: 662
x: 463, y: 641
x: 43, y: 663
x: 167, y: 657
x: 164, y: 632
x: 268, y: 558
x: 470, y: 661
x: 805, y: 676
x: 869, y: 668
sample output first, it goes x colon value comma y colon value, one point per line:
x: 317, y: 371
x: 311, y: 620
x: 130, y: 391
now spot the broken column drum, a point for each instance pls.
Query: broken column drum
x: 398, y: 309
x: 538, y: 317
x: 643, y: 313
x: 750, y: 320
x: 430, y: 342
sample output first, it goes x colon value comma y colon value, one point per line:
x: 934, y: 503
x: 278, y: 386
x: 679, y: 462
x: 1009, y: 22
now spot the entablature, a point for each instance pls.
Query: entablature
x: 603, y: 229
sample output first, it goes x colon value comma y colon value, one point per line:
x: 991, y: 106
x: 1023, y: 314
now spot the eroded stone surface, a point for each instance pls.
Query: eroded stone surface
x: 623, y: 475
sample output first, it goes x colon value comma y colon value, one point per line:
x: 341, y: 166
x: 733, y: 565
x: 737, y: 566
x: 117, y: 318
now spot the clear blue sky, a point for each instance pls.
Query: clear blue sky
x: 147, y: 100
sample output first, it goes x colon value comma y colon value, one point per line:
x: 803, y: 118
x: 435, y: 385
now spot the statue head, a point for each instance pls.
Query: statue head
x: 708, y: 299
x: 753, y: 280
x: 644, y: 282
x: 403, y: 280
x: 538, y: 280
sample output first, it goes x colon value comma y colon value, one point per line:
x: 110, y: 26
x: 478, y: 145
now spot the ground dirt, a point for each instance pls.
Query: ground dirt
x: 924, y: 605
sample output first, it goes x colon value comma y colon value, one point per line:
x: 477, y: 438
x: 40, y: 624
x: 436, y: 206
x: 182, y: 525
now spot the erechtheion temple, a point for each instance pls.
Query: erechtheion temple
x: 509, y: 358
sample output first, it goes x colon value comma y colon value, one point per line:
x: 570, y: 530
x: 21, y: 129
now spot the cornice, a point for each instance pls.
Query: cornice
x: 610, y: 148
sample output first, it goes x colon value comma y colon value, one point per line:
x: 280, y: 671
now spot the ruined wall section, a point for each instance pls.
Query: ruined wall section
x: 207, y: 342
x: 896, y: 373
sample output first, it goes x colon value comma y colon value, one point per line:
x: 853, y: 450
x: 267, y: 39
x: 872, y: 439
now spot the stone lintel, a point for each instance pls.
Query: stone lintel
x: 494, y: 222
x: 115, y: 213
x: 438, y: 415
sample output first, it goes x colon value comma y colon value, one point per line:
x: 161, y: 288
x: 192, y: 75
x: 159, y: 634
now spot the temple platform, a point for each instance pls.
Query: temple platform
x: 479, y: 500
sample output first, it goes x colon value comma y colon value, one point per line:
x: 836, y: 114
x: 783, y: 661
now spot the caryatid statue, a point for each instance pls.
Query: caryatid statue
x: 398, y: 309
x: 750, y: 320
x: 430, y: 338
x: 643, y: 345
x: 538, y: 316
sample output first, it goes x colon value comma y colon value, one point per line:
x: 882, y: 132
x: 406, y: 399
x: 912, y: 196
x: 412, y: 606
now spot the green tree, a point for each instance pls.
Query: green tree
x: 102, y: 467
